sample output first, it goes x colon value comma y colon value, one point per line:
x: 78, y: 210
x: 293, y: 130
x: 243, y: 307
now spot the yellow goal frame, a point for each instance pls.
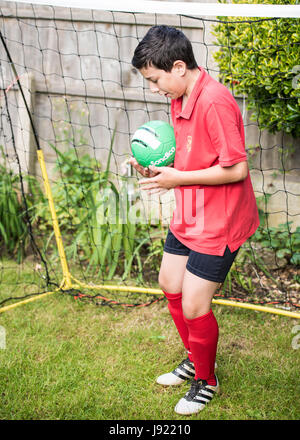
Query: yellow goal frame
x: 70, y: 282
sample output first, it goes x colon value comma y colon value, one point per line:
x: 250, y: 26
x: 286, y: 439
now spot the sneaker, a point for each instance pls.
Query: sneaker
x: 184, y: 371
x: 199, y: 395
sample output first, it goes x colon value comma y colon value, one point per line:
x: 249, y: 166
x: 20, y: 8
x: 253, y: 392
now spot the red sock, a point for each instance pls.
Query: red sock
x: 175, y: 308
x: 203, y: 341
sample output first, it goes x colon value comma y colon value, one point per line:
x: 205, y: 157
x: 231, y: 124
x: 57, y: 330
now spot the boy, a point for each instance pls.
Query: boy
x: 215, y: 210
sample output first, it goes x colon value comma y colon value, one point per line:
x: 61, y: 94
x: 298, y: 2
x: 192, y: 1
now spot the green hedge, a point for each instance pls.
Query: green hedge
x: 261, y: 59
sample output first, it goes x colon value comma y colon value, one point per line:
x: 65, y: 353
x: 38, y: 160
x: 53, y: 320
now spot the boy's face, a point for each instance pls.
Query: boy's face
x: 169, y: 84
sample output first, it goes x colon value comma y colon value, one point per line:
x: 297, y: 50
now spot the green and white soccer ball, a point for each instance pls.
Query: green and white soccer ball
x: 154, y: 144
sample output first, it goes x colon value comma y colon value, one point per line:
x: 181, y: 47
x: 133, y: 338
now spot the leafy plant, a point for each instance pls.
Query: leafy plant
x: 238, y: 271
x: 260, y: 58
x: 286, y: 244
x: 13, y: 228
x: 93, y: 214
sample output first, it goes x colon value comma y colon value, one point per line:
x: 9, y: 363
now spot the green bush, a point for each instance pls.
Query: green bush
x: 282, y: 241
x: 90, y: 216
x: 14, y: 233
x: 260, y: 58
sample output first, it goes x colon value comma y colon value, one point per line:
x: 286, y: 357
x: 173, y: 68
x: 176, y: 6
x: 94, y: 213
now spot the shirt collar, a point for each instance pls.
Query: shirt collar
x: 189, y: 107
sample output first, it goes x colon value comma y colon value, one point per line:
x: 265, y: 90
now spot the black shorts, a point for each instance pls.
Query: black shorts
x: 210, y: 267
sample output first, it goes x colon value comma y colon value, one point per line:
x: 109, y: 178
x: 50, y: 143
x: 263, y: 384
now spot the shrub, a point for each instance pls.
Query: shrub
x: 282, y: 241
x: 260, y: 58
x: 13, y: 225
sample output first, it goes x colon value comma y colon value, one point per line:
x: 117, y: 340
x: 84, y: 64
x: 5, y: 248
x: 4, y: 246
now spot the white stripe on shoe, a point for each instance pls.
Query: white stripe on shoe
x: 199, y: 395
x: 184, y: 371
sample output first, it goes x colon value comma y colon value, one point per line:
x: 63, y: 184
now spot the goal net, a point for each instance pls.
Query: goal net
x: 72, y: 218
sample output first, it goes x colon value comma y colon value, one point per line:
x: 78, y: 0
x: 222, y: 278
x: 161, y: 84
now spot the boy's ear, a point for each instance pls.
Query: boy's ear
x: 179, y: 67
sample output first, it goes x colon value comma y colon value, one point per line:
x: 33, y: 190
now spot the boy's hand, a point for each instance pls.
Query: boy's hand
x: 143, y: 171
x: 164, y: 179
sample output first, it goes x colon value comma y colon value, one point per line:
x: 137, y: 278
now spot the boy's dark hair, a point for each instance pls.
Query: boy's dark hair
x: 161, y: 46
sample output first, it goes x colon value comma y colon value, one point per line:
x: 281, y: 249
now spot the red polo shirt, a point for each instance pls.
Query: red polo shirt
x: 210, y: 131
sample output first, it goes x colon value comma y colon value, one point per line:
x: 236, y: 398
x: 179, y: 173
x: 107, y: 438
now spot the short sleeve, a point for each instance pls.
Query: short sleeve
x: 226, y: 132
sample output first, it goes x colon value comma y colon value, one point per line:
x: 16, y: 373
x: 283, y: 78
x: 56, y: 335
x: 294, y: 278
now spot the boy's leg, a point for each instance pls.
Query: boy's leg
x: 203, y: 275
x: 171, y: 276
x: 202, y: 325
x: 172, y: 271
x: 203, y: 340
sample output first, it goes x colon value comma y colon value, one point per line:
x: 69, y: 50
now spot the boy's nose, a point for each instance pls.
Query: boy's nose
x: 153, y: 88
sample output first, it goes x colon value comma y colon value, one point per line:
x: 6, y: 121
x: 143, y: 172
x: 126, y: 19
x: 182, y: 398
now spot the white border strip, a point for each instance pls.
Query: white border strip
x: 166, y: 7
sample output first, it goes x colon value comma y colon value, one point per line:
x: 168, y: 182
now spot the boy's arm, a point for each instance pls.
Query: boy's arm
x: 216, y: 175
x: 168, y: 178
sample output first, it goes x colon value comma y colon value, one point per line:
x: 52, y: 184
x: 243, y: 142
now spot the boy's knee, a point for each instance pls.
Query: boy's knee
x: 167, y: 284
x: 192, y: 310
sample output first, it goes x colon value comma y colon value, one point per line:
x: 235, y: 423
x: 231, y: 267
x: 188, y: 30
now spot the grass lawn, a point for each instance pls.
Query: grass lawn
x: 68, y: 360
